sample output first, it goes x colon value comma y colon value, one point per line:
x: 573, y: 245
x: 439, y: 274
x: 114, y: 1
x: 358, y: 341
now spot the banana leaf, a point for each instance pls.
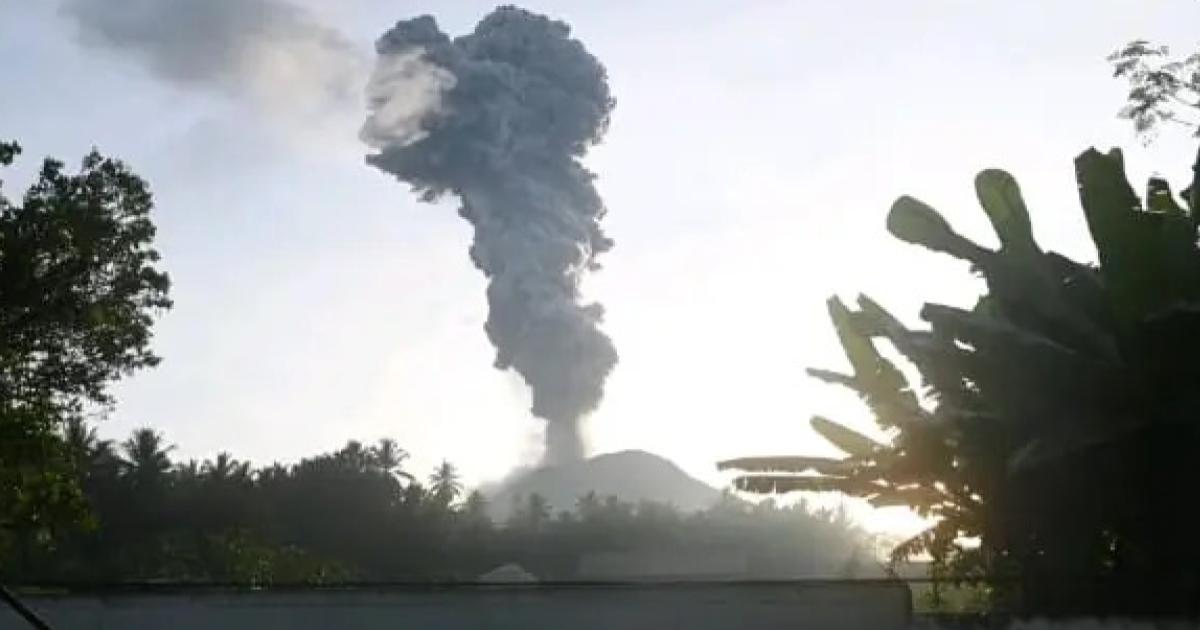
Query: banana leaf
x: 1146, y: 258
x: 852, y: 442
x: 1000, y: 197
x: 833, y: 378
x: 1071, y: 439
x: 778, y: 484
x: 1021, y: 344
x: 913, y: 221
x: 1159, y: 199
x: 822, y: 465
x: 932, y: 352
x: 912, y: 497
x: 877, y: 380
x: 859, y: 350
x: 877, y: 321
x: 937, y: 541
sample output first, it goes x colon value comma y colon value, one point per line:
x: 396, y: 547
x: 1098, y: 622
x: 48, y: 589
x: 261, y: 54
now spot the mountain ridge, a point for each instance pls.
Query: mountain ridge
x: 630, y: 475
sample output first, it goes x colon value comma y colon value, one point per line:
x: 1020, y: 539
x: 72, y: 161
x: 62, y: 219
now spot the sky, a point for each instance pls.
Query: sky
x: 753, y: 154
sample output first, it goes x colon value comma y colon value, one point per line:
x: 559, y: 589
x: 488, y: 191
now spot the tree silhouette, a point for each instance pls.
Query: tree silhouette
x: 445, y: 484
x: 1055, y: 421
x: 91, y: 455
x: 225, y: 469
x: 146, y: 458
x: 77, y: 284
x: 347, y: 515
x: 78, y: 288
x: 389, y: 457
x: 1162, y: 90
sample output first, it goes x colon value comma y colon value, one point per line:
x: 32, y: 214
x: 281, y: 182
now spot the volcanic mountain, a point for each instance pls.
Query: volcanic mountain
x: 629, y: 475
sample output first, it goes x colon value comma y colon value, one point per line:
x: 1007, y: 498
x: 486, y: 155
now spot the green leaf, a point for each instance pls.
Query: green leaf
x: 858, y: 348
x: 1147, y: 258
x: 1055, y: 446
x: 876, y: 379
x: 877, y: 320
x: 912, y: 221
x: 823, y: 465
x: 937, y: 541
x: 910, y: 497
x: 1020, y: 343
x: 1000, y: 197
x: 834, y: 378
x: 773, y: 484
x: 1159, y: 199
x: 852, y: 442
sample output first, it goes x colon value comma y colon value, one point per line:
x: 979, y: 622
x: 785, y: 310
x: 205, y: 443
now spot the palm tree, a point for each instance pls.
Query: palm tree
x: 90, y: 454
x: 389, y: 457
x: 80, y: 437
x: 146, y: 458
x: 445, y: 484
x: 226, y: 468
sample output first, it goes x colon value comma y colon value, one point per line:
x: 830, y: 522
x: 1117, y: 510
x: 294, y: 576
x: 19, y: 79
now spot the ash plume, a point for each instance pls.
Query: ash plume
x: 276, y: 54
x: 500, y: 118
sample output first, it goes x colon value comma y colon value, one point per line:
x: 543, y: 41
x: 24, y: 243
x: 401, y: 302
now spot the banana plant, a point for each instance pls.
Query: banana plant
x: 1058, y: 420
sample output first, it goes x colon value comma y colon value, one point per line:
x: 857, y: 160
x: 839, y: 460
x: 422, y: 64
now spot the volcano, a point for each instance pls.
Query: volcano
x: 631, y: 476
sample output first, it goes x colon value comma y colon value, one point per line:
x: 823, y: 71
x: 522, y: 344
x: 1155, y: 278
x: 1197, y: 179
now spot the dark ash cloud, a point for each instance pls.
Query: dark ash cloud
x: 500, y: 118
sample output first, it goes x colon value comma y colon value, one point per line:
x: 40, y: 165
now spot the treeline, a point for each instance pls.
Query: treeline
x: 355, y: 514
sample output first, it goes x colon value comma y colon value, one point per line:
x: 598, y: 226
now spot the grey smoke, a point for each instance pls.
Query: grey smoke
x: 270, y: 51
x: 500, y: 118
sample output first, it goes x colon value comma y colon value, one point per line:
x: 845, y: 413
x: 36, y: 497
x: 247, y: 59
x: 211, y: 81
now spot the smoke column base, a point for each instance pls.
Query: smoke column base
x: 501, y: 118
x: 564, y: 444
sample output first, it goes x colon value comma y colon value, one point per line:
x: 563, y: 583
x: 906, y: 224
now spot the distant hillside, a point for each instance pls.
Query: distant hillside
x: 631, y: 475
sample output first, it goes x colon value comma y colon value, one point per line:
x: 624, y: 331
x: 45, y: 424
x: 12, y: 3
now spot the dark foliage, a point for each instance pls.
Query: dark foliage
x: 1162, y: 90
x: 78, y: 289
x: 1057, y: 422
x: 355, y: 515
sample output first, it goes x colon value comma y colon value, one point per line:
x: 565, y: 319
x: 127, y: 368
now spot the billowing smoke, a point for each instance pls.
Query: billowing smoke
x: 274, y: 53
x: 501, y: 118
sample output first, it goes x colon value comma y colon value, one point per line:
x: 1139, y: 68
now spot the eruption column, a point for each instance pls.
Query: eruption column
x: 501, y: 118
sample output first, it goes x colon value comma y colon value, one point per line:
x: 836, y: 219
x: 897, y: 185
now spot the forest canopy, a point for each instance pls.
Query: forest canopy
x: 356, y: 514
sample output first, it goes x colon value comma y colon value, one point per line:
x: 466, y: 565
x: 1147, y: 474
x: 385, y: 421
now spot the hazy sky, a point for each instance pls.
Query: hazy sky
x: 755, y: 149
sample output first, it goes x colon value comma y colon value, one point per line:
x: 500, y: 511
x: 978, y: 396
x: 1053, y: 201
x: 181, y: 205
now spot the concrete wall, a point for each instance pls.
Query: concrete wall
x: 1111, y: 624
x: 672, y: 564
x: 875, y: 606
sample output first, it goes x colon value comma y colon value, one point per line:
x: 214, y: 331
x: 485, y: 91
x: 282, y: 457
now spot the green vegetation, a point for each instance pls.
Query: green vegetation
x: 356, y: 515
x: 1057, y: 422
x: 78, y: 288
x: 1162, y: 90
